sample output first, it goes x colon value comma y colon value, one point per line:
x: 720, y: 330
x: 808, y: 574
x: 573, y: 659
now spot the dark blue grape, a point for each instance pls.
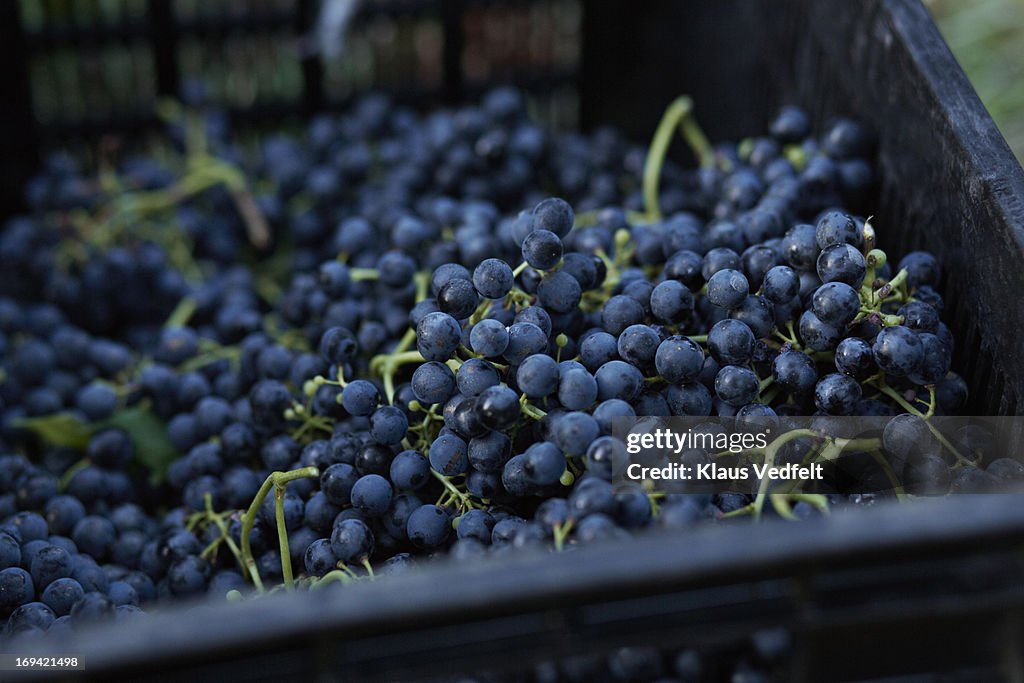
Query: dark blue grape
x: 97, y: 401
x: 574, y: 431
x: 371, y: 494
x: 388, y: 425
x: 842, y: 263
x: 449, y: 455
x: 835, y: 304
x: 686, y: 267
x: 598, y: 348
x: 618, y: 379
x: 898, y: 351
x: 410, y: 470
x: 542, y: 249
x: 671, y: 302
x: 690, y: 399
x: 731, y: 342
x: 352, y: 541
x: 524, y: 339
x: 493, y: 278
x: 497, y: 407
x: 854, y: 358
x: 795, y: 372
x: 781, y: 284
x: 559, y: 292
x: 679, y: 359
x: 360, y: 397
x: 61, y: 595
x: 835, y: 227
x: 790, y: 125
x: 536, y: 315
x: 620, y: 312
x: 537, y: 376
x: 490, y: 452
x: 719, y: 258
x: 935, y: 362
x: 737, y: 386
x: 919, y: 317
x: 922, y: 269
x: 727, y: 288
x: 817, y: 335
x: 638, y: 345
x: 800, y: 247
x: 338, y: 345
x: 489, y: 338
x: 577, y: 389
x: 428, y: 527
x: 458, y: 299
x: 837, y: 394
x: 477, y: 525
x: 437, y: 336
x: 433, y: 383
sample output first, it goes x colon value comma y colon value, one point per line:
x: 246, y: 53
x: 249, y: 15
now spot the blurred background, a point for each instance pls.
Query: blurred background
x: 987, y: 37
x: 91, y: 61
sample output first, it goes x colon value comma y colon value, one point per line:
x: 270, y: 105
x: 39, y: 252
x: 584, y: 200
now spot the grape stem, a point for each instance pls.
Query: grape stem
x: 769, y: 460
x: 359, y: 274
x: 903, y: 403
x: 679, y: 114
x: 278, y: 481
x: 531, y: 410
x: 561, y: 532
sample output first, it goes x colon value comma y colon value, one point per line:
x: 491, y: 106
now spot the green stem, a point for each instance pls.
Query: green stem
x: 275, y: 480
x: 248, y: 521
x: 903, y: 403
x: 182, y: 313
x: 359, y: 274
x: 422, y: 280
x: 769, y: 460
x: 282, y: 537
x: 561, y: 532
x: 781, y: 504
x: 464, y: 501
x: 518, y: 270
x: 330, y: 577
x: 678, y: 114
x: 532, y: 411
x: 883, y: 463
x: 70, y: 473
x: 223, y: 528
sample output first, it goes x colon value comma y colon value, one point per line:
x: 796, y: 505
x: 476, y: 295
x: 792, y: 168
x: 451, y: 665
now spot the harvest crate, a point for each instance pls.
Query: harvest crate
x: 867, y: 595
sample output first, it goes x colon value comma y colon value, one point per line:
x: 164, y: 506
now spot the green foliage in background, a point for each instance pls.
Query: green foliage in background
x: 987, y: 37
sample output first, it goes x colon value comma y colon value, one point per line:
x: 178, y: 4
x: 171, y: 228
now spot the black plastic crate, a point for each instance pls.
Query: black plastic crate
x: 932, y: 588
x: 887, y: 592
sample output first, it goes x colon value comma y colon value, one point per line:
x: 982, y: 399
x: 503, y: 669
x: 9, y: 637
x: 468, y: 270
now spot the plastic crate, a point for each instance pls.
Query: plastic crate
x: 886, y: 592
x: 932, y: 588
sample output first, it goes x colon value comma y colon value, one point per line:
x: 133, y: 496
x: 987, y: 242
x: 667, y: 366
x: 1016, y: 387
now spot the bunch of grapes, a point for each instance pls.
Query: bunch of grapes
x: 385, y: 343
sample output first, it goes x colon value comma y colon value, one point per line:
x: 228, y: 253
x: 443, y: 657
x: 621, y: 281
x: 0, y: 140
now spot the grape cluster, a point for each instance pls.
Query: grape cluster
x: 403, y: 370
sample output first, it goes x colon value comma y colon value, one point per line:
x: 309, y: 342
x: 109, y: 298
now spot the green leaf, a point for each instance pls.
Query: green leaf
x: 152, y: 447
x: 59, y: 429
